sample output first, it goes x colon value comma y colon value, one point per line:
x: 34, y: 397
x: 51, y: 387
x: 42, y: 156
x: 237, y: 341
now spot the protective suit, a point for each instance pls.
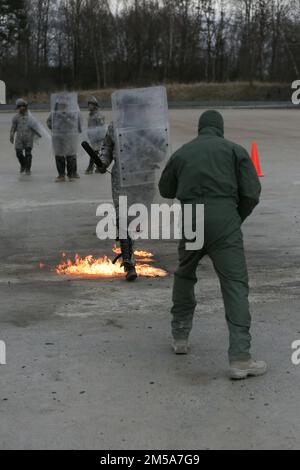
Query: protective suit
x: 218, y: 173
x: 26, y: 129
x: 138, y: 143
x: 65, y: 124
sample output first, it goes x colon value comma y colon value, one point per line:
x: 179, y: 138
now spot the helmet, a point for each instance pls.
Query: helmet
x: 93, y: 100
x: 20, y: 102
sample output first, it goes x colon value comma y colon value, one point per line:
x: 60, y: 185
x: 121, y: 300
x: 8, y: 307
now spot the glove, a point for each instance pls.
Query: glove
x: 11, y: 139
x: 102, y: 169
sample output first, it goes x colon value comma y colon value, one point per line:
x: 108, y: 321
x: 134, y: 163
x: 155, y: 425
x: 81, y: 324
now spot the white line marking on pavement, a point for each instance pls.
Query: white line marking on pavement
x: 35, y: 204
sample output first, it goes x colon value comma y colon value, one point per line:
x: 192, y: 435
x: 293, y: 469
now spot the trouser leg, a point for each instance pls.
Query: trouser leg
x: 75, y: 164
x: 230, y: 264
x: 184, y: 302
x: 126, y: 244
x: 71, y: 165
x: 60, y: 165
x: 91, y: 166
x: 21, y: 158
x: 127, y: 251
x: 28, y: 159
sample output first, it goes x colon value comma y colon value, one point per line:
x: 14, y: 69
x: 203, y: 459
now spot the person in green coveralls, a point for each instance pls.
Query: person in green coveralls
x: 213, y: 171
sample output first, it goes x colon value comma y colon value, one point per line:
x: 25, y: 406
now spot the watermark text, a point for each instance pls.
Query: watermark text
x: 2, y: 353
x: 156, y: 222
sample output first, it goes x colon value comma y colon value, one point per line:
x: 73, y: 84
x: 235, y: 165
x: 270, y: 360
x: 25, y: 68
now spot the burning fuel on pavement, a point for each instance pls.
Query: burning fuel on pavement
x: 103, y: 267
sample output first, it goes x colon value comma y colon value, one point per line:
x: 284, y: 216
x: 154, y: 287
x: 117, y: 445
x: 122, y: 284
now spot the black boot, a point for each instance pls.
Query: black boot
x: 61, y: 167
x: 28, y: 161
x: 21, y: 158
x: 72, y: 167
x: 128, y: 262
x: 131, y: 274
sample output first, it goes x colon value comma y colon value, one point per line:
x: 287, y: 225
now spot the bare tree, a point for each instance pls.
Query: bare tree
x: 98, y: 43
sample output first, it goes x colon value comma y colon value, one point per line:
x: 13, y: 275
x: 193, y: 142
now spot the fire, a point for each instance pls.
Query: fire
x: 138, y: 253
x: 143, y: 254
x: 104, y: 267
x: 90, y: 266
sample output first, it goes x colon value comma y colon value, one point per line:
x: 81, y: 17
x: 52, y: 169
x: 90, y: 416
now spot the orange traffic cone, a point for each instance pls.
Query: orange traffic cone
x: 255, y: 160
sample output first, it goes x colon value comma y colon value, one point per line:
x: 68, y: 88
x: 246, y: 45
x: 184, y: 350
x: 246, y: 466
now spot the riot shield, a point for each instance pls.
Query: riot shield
x: 96, y: 136
x: 38, y: 129
x: 41, y: 135
x: 65, y: 122
x: 141, y: 127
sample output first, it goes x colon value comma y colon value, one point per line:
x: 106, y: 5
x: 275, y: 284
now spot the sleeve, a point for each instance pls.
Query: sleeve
x: 49, y: 121
x: 107, y: 148
x: 168, y: 181
x: 249, y: 187
x: 14, y: 126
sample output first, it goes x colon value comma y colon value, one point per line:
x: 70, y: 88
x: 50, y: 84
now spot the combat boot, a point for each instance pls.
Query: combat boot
x: 131, y: 274
x: 60, y: 179
x: 128, y: 262
x: 243, y: 369
x: 180, y: 346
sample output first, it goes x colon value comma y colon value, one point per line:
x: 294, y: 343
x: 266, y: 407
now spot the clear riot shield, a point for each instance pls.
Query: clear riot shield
x: 141, y: 126
x: 37, y: 128
x: 41, y: 135
x: 65, y: 119
x: 96, y: 135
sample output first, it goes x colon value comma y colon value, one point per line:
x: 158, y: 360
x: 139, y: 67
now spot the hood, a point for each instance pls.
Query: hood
x: 211, y: 119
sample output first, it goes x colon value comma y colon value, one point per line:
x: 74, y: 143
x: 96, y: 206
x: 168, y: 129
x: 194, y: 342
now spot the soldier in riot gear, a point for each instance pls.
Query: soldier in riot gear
x: 107, y: 156
x: 26, y: 129
x: 137, y: 143
x: 96, y: 130
x: 65, y: 124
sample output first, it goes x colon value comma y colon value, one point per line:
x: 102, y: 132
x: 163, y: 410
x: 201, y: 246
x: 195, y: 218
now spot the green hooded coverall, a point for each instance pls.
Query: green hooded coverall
x: 213, y: 171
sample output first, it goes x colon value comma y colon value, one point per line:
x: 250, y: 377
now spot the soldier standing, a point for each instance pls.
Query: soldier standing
x: 96, y: 130
x: 137, y: 144
x: 213, y: 171
x: 24, y: 126
x: 65, y: 124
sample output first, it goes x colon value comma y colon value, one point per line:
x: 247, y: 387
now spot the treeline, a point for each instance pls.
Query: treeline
x: 84, y: 44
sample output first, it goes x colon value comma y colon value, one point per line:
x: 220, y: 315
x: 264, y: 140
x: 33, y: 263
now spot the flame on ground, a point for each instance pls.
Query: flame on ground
x: 104, y: 267
x: 138, y: 253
